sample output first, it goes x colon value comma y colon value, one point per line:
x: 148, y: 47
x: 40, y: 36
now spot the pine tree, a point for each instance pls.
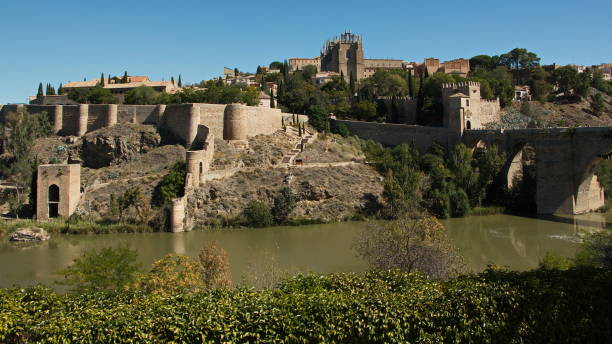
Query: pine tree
x: 272, y: 104
x: 180, y: 82
x: 40, y: 93
x: 102, y: 80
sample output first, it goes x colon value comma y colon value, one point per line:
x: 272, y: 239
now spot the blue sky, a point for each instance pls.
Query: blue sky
x: 58, y: 41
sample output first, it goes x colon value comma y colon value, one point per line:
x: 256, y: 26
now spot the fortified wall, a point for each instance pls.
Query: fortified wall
x: 230, y: 122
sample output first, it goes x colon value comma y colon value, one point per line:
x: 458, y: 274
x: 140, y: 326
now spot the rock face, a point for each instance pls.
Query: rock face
x: 29, y: 234
x: 107, y: 146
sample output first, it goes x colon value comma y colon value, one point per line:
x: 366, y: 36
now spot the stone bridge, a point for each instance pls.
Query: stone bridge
x: 564, y: 158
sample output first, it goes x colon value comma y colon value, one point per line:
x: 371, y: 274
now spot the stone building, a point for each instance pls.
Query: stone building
x: 58, y: 190
x: 120, y: 89
x: 465, y: 109
x: 344, y: 54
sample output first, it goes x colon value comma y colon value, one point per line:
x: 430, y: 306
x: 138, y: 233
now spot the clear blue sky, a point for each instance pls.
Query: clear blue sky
x: 58, y: 41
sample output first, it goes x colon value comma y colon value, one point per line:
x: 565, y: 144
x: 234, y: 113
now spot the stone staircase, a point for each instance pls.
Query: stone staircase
x: 289, y: 159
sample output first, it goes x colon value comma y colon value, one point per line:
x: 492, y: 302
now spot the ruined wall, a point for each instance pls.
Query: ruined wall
x: 490, y: 111
x: 97, y: 116
x: 262, y: 120
x: 395, y: 134
x: 70, y: 120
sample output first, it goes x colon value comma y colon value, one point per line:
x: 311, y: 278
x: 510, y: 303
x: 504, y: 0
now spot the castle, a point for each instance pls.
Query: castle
x: 345, y: 55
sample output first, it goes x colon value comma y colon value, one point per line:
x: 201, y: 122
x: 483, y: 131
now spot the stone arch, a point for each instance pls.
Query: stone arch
x: 468, y: 125
x: 589, y: 193
x: 522, y: 154
x: 53, y: 200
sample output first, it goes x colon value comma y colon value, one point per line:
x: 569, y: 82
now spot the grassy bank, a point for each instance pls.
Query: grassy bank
x: 380, y: 307
x: 64, y: 226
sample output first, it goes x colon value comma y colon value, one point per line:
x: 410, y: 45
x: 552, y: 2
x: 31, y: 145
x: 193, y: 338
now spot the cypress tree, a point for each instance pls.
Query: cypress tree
x: 272, y: 105
x: 180, y: 83
x: 426, y: 72
x: 40, y: 93
x: 124, y: 80
x: 60, y: 89
x: 102, y: 79
x: 420, y: 99
x: 172, y: 80
x: 352, y: 84
x: 410, y: 85
x: 51, y: 91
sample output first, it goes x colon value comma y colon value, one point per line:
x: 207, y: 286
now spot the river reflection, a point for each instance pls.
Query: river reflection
x: 517, y: 242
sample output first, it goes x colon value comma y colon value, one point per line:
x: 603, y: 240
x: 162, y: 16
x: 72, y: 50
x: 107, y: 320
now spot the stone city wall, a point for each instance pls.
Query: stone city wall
x: 144, y: 114
x: 395, y: 134
x: 211, y: 115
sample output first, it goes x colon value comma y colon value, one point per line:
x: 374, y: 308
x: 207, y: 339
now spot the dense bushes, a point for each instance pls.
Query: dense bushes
x: 171, y: 186
x: 381, y: 307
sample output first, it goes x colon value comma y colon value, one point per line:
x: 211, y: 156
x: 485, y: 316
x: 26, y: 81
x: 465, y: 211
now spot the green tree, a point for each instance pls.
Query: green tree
x: 597, y: 104
x: 258, y: 214
x: 60, y: 89
x: 284, y: 203
x: 364, y: 110
x: 519, y: 58
x: 100, y: 95
x: 142, y: 95
x: 172, y: 275
x: 125, y: 79
x: 276, y: 65
x: 599, y: 82
x: 102, y: 80
x: 319, y: 120
x: 272, y: 103
x: 18, y: 133
x: 171, y: 186
x: 340, y: 129
x: 464, y: 176
x: 180, y: 82
x: 482, y: 62
x: 489, y: 165
x: 40, y: 93
x: 106, y: 269
x: 566, y: 79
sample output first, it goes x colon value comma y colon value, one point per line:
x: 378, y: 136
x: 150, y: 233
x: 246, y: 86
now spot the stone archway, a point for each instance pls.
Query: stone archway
x: 589, y: 194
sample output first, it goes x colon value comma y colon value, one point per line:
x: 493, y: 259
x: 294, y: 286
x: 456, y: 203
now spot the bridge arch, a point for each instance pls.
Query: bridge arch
x: 589, y: 193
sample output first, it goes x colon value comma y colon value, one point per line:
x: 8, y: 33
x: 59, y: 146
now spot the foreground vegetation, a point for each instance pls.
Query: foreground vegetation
x: 383, y: 307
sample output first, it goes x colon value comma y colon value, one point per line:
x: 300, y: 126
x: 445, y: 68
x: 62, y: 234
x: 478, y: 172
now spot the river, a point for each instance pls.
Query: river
x: 516, y: 242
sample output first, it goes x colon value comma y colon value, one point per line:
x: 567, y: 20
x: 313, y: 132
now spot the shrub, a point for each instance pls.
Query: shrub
x: 258, y: 214
x: 541, y: 306
x: 173, y: 274
x: 340, y: 129
x: 215, y: 267
x: 410, y: 245
x: 284, y: 203
x: 171, y: 186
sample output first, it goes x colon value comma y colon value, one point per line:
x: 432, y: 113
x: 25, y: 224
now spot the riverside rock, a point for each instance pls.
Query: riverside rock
x: 30, y: 234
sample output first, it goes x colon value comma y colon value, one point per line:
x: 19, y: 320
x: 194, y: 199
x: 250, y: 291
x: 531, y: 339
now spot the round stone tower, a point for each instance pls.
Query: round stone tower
x: 235, y: 123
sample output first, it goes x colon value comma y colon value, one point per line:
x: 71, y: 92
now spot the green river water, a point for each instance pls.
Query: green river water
x: 517, y: 242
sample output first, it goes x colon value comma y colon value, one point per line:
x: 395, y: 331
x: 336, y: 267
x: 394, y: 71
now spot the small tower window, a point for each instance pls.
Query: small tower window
x: 54, y: 198
x: 468, y: 125
x: 467, y: 102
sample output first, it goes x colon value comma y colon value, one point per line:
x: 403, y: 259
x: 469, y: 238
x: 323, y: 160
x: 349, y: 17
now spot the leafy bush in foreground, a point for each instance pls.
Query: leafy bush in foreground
x: 380, y: 307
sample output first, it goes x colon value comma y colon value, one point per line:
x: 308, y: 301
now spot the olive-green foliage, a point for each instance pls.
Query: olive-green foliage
x: 596, y: 251
x: 597, y: 104
x: 94, y: 95
x: 257, y: 214
x: 541, y: 306
x: 214, y: 92
x: 444, y: 185
x: 340, y: 129
x: 284, y: 203
x: 171, y: 186
x: 319, y: 120
x: 101, y: 270
x: 143, y: 95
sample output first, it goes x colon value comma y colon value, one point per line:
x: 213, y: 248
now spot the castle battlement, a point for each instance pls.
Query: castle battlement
x: 460, y: 84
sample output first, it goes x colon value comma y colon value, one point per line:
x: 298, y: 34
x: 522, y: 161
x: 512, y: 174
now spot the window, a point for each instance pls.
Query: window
x: 468, y: 125
x: 467, y: 102
x: 54, y: 197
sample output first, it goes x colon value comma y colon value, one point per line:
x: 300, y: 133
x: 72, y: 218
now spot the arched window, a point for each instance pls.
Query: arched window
x: 468, y: 125
x: 201, y: 168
